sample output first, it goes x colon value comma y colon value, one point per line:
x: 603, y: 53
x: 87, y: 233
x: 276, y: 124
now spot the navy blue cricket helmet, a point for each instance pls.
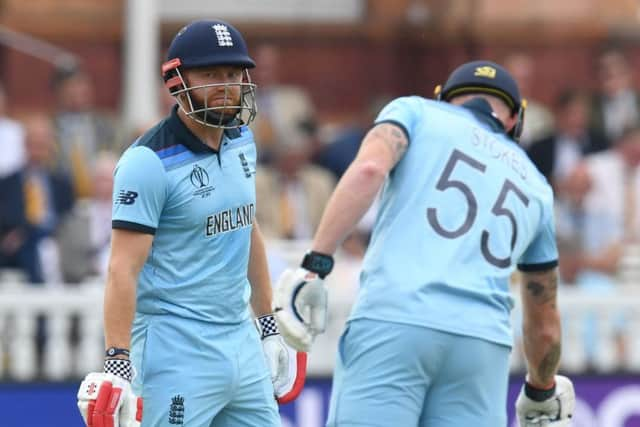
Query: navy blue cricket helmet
x: 489, y: 78
x: 207, y: 43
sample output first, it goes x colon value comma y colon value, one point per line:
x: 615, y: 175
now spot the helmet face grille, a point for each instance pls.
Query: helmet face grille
x: 230, y: 114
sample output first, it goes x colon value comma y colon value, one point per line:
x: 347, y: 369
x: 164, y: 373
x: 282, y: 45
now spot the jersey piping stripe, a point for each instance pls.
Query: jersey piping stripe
x: 171, y: 150
x: 177, y: 158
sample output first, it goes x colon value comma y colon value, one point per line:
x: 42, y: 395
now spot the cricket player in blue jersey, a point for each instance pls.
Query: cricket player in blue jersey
x: 428, y: 340
x: 188, y: 258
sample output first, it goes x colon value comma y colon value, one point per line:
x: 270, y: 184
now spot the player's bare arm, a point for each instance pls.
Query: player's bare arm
x: 391, y: 137
x: 381, y: 149
x: 261, y: 293
x: 129, y: 251
x: 541, y: 326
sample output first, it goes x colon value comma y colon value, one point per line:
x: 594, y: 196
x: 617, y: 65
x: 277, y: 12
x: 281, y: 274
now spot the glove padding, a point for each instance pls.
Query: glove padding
x: 106, y: 400
x: 288, y: 368
x: 289, y: 387
x: 556, y: 411
x: 300, y: 304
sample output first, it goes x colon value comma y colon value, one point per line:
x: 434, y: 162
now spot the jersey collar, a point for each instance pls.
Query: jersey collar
x: 483, y: 112
x: 188, y: 139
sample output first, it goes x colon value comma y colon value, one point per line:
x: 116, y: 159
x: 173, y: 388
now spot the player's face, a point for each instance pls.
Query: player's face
x: 216, y: 86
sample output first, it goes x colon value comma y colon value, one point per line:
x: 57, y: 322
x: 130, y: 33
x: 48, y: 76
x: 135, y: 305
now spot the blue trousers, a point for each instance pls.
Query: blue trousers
x: 392, y: 374
x: 198, y: 374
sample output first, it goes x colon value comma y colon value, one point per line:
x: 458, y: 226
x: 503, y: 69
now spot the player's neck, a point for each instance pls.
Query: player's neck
x: 209, y: 136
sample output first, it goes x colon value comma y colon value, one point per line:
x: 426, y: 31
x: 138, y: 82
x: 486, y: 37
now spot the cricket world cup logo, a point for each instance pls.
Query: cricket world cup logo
x: 199, y: 177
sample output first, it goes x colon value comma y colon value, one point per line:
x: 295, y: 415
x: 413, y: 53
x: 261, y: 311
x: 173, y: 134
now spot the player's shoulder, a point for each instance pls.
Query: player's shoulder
x: 140, y: 165
x: 159, y: 139
x: 410, y: 102
x: 431, y: 108
x: 141, y: 156
x: 161, y: 146
x: 405, y: 111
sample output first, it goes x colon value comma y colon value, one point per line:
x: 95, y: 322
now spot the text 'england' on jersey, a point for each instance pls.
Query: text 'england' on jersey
x: 458, y: 213
x: 200, y: 206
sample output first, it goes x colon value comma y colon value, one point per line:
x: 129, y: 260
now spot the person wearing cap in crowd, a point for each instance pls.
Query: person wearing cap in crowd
x: 429, y: 337
x: 188, y: 260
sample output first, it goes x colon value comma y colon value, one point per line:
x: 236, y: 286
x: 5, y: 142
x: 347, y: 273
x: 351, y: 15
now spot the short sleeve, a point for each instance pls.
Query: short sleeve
x: 139, y: 191
x: 542, y: 252
x: 402, y: 112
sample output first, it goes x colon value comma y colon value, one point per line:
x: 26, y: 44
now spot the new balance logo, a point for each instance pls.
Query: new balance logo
x: 126, y: 197
x: 176, y: 410
x: 223, y: 35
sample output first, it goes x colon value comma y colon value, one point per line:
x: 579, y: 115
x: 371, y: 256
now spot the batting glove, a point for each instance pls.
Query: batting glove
x: 105, y: 398
x: 548, y: 408
x: 288, y: 368
x: 300, y: 301
x: 275, y: 350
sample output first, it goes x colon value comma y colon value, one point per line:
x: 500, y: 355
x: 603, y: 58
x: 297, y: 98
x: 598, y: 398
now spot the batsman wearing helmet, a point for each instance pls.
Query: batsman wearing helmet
x: 428, y: 340
x: 188, y: 259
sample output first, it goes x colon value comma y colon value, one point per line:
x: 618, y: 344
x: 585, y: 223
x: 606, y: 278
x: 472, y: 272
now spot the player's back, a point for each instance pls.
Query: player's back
x: 457, y: 214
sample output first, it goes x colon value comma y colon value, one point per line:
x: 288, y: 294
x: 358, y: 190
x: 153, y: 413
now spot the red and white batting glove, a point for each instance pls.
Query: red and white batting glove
x: 105, y: 398
x: 288, y: 367
x: 289, y: 386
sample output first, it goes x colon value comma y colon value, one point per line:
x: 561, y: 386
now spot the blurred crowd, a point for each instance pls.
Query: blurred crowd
x: 56, y: 172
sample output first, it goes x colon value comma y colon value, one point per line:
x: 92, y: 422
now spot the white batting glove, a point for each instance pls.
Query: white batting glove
x: 300, y: 302
x: 106, y: 400
x: 275, y: 350
x: 288, y: 367
x: 548, y: 408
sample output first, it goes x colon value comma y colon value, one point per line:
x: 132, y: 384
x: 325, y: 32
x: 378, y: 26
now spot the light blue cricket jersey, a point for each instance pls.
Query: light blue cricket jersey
x: 199, y: 204
x: 459, y: 211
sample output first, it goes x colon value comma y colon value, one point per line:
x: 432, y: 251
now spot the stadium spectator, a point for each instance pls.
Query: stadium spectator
x: 540, y: 120
x: 617, y: 106
x: 291, y: 191
x: 84, y: 238
x: 337, y: 154
x: 82, y: 131
x: 35, y: 201
x: 11, y: 140
x: 287, y: 113
x: 556, y: 155
x: 598, y: 208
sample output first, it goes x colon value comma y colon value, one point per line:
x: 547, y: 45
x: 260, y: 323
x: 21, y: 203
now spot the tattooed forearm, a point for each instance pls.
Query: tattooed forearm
x: 397, y: 142
x: 392, y: 136
x: 542, y: 289
x: 541, y: 325
x: 549, y: 364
